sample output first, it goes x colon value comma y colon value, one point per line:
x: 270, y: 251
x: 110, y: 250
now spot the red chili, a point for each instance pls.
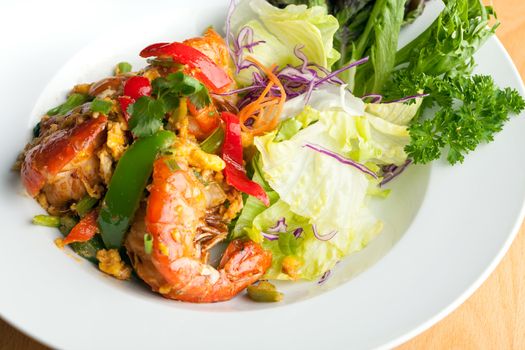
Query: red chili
x: 124, y: 102
x: 85, y: 229
x: 232, y: 155
x: 201, y: 66
x: 137, y: 87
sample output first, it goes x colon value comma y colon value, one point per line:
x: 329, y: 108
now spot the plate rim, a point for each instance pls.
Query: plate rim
x: 433, y: 319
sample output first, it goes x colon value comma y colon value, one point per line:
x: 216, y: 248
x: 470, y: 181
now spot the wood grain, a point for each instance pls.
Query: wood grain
x: 494, y: 317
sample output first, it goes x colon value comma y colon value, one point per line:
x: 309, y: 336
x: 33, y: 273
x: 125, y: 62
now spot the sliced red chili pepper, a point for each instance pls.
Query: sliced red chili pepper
x: 232, y: 155
x: 85, y: 229
x: 124, y: 102
x: 137, y: 87
x: 201, y: 66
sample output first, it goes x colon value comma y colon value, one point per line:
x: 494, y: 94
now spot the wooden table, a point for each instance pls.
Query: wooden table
x: 494, y: 317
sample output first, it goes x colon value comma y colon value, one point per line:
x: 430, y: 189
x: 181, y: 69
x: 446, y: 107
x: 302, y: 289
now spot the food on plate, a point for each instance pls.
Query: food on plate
x: 264, y: 146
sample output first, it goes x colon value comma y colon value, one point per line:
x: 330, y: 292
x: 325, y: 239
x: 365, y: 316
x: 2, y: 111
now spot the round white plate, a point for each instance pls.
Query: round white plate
x: 446, y: 228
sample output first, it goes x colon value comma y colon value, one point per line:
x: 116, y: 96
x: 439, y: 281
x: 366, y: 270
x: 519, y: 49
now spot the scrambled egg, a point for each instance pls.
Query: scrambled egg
x: 203, y: 160
x: 116, y: 141
x: 106, y: 165
x: 109, y: 262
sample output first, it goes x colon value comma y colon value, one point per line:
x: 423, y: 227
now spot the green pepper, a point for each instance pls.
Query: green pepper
x: 122, y: 68
x: 88, y: 249
x: 73, y: 100
x: 127, y: 186
x: 264, y: 292
x: 213, y: 142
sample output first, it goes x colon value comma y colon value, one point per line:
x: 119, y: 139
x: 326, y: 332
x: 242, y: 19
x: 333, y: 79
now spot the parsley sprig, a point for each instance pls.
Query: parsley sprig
x: 147, y: 113
x: 471, y: 109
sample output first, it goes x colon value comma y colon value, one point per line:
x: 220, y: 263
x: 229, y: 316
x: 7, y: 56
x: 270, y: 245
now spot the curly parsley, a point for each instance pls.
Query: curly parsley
x: 471, y: 109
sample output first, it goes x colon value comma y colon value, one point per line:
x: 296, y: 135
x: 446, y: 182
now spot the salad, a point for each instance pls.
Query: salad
x: 266, y: 143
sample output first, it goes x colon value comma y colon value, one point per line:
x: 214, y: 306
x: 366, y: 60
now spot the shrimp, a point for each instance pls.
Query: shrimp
x: 176, y: 209
x: 62, y: 165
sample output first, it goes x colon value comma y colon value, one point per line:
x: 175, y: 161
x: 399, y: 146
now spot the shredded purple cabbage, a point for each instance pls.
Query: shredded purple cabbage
x: 408, y: 98
x: 243, y: 41
x: 270, y: 236
x: 280, y: 226
x: 296, y: 80
x: 376, y: 98
x: 391, y: 171
x: 298, y: 232
x: 341, y: 159
x: 324, y: 277
x: 326, y: 237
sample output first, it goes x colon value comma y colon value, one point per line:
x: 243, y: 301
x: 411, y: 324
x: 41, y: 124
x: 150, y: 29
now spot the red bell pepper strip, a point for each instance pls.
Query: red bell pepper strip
x: 232, y: 154
x: 85, y: 229
x: 201, y: 66
x: 135, y: 88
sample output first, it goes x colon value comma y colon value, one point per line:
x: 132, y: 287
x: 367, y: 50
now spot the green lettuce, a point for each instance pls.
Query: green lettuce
x: 284, y: 29
x: 309, y: 188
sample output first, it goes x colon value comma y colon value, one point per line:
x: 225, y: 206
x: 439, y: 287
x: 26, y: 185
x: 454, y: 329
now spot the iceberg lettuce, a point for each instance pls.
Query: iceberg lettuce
x: 309, y: 187
x: 284, y: 29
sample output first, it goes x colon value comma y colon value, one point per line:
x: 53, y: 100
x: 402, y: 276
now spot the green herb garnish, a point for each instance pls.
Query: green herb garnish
x: 101, y: 106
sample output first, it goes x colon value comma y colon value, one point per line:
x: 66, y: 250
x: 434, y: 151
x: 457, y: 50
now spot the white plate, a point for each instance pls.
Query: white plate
x: 452, y: 225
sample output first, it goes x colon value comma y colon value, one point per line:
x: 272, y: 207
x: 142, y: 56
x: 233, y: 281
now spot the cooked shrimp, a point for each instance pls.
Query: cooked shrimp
x: 176, y: 210
x: 62, y: 165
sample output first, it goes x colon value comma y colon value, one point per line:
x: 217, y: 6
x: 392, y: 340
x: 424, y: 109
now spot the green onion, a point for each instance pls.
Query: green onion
x: 148, y: 243
x: 213, y: 142
x: 84, y: 205
x: 123, y: 67
x: 101, y: 106
x: 172, y: 164
x: 46, y: 220
x: 73, y: 100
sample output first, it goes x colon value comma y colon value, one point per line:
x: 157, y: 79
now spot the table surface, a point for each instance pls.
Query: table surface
x: 494, y: 316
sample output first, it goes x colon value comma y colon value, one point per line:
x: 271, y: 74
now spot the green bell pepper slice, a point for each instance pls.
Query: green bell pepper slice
x: 127, y: 186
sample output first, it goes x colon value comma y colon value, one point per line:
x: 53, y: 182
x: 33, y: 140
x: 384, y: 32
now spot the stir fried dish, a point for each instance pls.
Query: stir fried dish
x: 264, y: 145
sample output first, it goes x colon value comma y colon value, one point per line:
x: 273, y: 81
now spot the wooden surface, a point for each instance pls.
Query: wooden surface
x: 494, y: 317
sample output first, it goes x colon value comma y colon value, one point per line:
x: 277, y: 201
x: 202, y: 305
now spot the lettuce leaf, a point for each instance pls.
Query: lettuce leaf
x: 284, y: 29
x: 307, y: 187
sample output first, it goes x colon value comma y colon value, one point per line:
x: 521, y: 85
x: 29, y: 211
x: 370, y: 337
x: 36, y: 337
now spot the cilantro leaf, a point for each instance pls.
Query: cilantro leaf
x: 146, y: 116
x: 177, y: 85
x: 200, y: 98
x: 101, y: 106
